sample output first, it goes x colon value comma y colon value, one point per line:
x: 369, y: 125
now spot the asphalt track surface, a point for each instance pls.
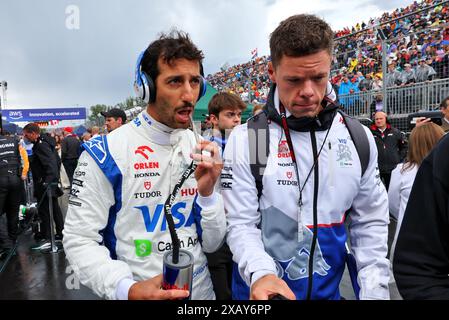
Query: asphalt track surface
x: 31, y: 275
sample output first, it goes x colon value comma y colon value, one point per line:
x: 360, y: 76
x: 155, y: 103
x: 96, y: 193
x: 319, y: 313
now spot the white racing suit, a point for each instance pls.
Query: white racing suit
x: 272, y: 236
x: 115, y: 227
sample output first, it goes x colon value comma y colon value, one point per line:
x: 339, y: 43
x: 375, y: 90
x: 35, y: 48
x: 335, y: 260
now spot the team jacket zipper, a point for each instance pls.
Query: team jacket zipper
x: 331, y: 166
x: 315, y: 217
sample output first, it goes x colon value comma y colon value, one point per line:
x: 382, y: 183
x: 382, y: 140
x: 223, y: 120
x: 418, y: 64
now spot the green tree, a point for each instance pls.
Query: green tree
x: 96, y: 119
x: 130, y: 103
x: 95, y: 116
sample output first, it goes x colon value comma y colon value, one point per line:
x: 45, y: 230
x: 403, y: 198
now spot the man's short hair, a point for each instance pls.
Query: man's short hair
x: 382, y: 113
x: 300, y: 35
x: 170, y: 47
x: 32, y: 127
x: 224, y: 101
x: 443, y: 104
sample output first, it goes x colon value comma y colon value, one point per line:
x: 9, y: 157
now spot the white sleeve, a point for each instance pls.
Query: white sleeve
x: 213, y: 221
x: 122, y: 291
x: 87, y: 214
x: 241, y: 204
x: 394, y: 191
x: 369, y: 231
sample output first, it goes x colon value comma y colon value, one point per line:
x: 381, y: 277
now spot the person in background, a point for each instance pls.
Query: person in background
x: 391, y: 146
x: 393, y: 76
x: 445, y: 110
x: 366, y: 83
x: 13, y: 169
x: 45, y: 167
x: 70, y: 151
x: 421, y: 259
x: 95, y: 132
x: 207, y: 124
x: 58, y: 140
x: 377, y: 83
x: 115, y: 118
x: 225, y: 112
x: 408, y: 75
x: 65, y: 184
x: 424, y: 72
x: 377, y: 104
x: 28, y: 146
x: 422, y: 140
x: 86, y: 136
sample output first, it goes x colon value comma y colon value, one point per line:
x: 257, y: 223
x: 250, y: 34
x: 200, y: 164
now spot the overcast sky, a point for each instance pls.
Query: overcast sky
x: 51, y: 56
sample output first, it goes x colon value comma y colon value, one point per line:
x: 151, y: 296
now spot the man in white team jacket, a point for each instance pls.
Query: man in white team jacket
x: 291, y: 240
x: 115, y: 232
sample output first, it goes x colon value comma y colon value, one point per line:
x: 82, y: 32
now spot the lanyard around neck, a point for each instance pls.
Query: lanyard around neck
x: 287, y: 132
x: 167, y: 206
x: 292, y: 151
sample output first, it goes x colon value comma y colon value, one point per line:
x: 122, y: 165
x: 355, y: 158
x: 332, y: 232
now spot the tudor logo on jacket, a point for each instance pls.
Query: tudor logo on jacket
x: 282, y: 244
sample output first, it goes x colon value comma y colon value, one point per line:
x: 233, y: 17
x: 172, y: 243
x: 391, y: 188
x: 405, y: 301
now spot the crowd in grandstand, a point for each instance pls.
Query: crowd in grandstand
x: 421, y: 36
x: 417, y: 51
x: 249, y: 80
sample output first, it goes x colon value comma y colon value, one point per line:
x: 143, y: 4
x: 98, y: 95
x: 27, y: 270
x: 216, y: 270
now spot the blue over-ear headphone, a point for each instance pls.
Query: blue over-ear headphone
x: 145, y: 87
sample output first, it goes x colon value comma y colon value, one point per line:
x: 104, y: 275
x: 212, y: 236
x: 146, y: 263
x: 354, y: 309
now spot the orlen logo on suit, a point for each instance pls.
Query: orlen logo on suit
x: 283, y: 150
x: 145, y: 151
x: 151, y: 219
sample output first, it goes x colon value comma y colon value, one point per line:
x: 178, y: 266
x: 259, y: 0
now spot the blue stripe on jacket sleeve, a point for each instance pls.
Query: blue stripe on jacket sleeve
x: 99, y: 151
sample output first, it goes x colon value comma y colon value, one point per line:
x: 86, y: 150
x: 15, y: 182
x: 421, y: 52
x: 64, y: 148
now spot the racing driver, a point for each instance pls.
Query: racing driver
x: 115, y: 232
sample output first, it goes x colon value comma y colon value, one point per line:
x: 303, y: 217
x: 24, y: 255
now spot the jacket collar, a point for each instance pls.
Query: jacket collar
x: 182, y: 140
x: 376, y: 128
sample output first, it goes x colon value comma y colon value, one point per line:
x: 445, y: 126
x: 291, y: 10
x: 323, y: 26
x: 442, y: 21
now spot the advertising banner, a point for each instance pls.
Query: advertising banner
x: 23, y: 115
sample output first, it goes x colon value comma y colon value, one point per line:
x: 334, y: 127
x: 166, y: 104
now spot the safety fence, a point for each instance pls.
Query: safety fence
x: 400, y: 101
x: 405, y: 39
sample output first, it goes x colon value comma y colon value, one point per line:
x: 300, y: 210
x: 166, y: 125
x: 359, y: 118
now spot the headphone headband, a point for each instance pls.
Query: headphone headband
x: 137, y: 77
